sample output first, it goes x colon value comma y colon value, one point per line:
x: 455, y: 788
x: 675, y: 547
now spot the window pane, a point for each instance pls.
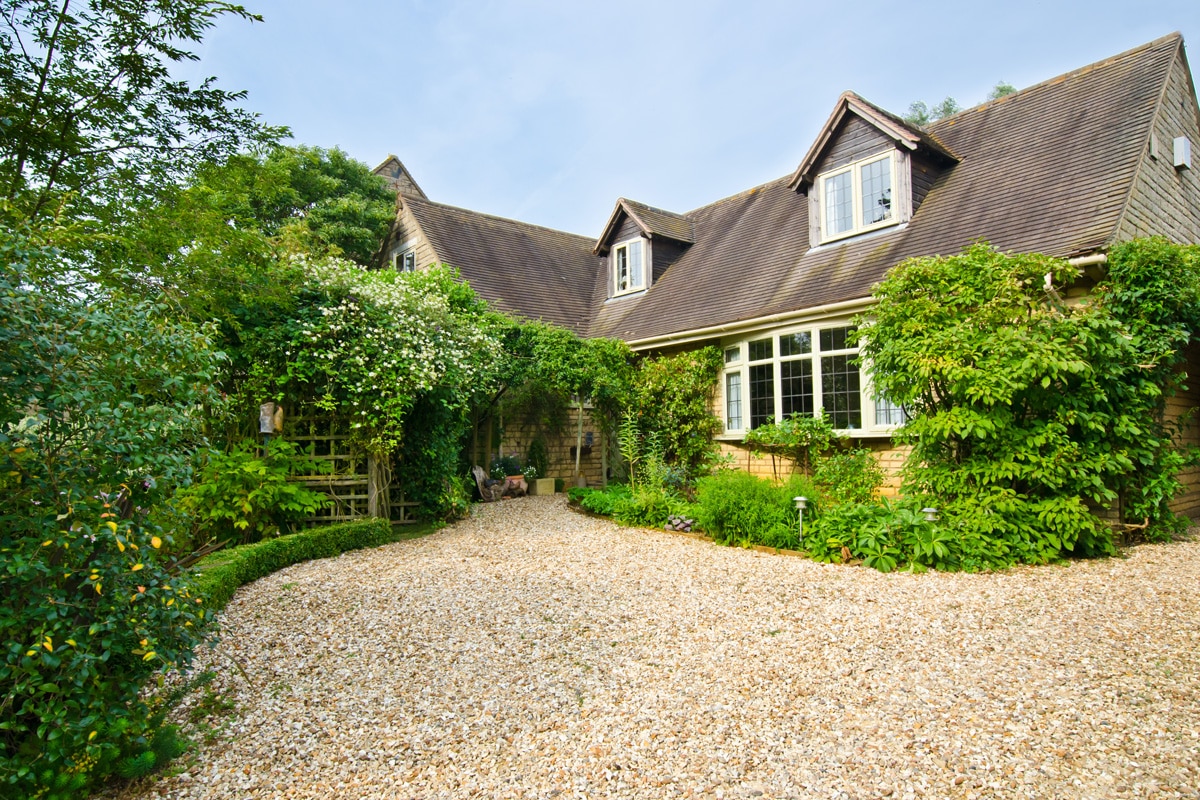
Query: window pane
x: 733, y: 354
x: 761, y: 349
x: 635, y: 265
x: 877, y: 191
x: 762, y: 394
x: 887, y: 412
x: 622, y: 254
x: 795, y: 344
x: 840, y: 397
x: 796, y: 383
x: 835, y: 339
x: 733, y: 400
x: 839, y: 204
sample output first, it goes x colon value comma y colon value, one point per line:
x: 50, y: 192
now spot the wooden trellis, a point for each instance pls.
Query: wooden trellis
x: 357, y: 484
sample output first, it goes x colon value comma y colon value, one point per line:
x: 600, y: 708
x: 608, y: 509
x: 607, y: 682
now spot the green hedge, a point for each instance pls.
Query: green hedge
x: 219, y: 575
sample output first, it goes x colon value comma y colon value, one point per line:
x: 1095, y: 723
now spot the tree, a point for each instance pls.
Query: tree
x: 222, y: 245
x: 921, y: 114
x: 90, y: 111
x: 100, y: 413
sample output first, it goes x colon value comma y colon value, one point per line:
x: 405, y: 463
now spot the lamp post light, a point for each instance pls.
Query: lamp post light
x: 931, y: 514
x: 801, y: 504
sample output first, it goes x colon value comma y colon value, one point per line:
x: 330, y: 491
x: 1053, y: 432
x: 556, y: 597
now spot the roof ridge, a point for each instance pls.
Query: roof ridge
x: 1175, y: 36
x: 496, y: 217
x: 649, y: 207
x: 752, y: 190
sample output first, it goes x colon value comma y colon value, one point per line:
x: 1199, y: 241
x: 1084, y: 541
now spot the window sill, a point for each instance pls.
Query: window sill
x: 853, y: 433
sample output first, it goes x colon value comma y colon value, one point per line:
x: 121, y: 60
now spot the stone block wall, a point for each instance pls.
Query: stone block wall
x: 592, y: 464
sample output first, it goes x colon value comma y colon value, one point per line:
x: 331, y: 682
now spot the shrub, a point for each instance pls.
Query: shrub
x: 219, y: 575
x: 1026, y: 410
x: 848, y: 477
x: 599, y: 501
x: 247, y: 496
x: 798, y: 437
x: 100, y: 402
x: 538, y: 457
x: 891, y: 533
x: 644, y: 507
x: 736, y: 507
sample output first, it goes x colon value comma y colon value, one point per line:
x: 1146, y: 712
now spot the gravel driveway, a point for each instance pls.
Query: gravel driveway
x: 533, y: 652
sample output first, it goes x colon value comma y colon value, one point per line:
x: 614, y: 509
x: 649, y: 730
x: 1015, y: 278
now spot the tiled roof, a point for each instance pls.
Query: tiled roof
x: 652, y: 222
x: 527, y: 270
x: 1047, y: 169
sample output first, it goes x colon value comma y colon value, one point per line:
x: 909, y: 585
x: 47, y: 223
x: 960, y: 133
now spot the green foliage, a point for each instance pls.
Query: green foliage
x: 884, y: 536
x: 921, y: 114
x: 101, y: 402
x: 219, y: 575
x: 735, y: 507
x: 93, y: 117
x: 673, y: 396
x: 247, y: 495
x: 851, y: 476
x: 1025, y: 411
x: 538, y: 457
x: 800, y: 438
x: 1001, y: 89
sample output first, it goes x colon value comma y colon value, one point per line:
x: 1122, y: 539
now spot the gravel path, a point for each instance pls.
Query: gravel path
x: 533, y: 652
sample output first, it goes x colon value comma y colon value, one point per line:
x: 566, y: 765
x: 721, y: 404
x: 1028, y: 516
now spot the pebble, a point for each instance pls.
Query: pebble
x: 529, y: 651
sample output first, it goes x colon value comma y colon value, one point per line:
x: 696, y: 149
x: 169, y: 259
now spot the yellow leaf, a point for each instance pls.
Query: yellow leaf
x: 72, y: 642
x: 149, y: 655
x: 171, y: 602
x: 120, y: 545
x: 136, y: 567
x: 144, y: 642
x: 91, y: 736
x: 97, y: 585
x: 155, y: 542
x: 31, y: 652
x: 112, y: 525
x: 47, y: 543
x: 48, y: 643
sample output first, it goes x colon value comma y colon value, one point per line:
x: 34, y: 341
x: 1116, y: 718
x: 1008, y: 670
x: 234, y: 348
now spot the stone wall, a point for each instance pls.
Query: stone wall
x: 561, y: 449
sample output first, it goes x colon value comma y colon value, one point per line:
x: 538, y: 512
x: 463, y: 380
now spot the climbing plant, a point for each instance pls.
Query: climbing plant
x: 1028, y: 413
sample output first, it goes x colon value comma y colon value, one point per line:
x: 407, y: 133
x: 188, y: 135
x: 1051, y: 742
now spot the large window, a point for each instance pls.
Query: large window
x: 629, y: 274
x: 857, y: 198
x: 772, y: 377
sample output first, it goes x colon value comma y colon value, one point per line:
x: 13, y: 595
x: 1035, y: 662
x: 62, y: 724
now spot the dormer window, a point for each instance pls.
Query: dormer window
x: 629, y: 274
x: 857, y: 197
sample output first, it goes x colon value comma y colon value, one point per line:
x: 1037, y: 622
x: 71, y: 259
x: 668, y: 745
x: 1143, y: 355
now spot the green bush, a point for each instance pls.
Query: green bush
x: 848, y: 477
x: 100, y: 402
x: 246, y: 496
x: 735, y: 507
x: 219, y: 575
x: 644, y: 507
x: 888, y: 534
x: 1025, y: 411
x: 599, y: 501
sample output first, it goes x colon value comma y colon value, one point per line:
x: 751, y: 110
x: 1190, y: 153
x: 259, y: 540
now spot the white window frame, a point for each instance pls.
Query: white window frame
x: 404, y: 260
x: 857, y: 226
x: 614, y: 258
x: 740, y: 364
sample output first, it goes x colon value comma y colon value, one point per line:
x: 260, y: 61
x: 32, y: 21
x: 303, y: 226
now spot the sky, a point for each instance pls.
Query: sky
x: 547, y: 112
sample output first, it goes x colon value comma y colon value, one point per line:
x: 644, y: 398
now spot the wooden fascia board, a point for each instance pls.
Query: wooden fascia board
x: 848, y: 103
x: 614, y: 220
x: 405, y: 205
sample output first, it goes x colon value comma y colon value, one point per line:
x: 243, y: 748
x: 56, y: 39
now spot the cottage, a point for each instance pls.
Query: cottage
x: 774, y: 275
